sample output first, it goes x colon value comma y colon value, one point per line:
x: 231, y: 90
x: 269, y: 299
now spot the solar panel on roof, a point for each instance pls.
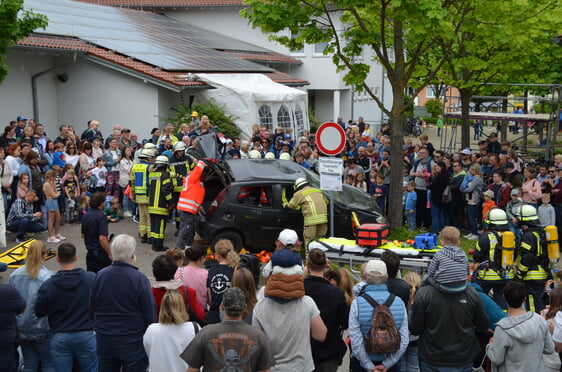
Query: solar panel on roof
x: 154, y: 39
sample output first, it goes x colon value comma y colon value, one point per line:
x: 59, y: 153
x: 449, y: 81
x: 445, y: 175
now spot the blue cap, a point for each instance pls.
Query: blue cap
x: 20, y: 118
x: 287, y: 135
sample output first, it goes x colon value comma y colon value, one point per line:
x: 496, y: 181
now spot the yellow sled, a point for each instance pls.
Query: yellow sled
x: 15, y: 257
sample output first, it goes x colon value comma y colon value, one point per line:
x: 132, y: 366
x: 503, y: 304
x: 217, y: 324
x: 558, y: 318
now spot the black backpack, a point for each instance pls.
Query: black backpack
x: 383, y: 336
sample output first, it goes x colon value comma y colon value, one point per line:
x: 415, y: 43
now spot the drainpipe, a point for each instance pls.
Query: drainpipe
x: 34, y: 78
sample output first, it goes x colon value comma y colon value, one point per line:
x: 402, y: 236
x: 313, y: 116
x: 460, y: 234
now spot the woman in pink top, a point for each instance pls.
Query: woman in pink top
x: 531, y: 189
x: 192, y: 275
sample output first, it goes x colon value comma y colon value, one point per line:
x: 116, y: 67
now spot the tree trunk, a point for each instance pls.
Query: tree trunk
x: 465, y: 118
x: 395, y: 208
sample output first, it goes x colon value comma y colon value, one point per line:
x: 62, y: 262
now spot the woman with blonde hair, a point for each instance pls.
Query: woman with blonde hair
x: 33, y: 332
x: 244, y: 280
x: 166, y: 340
x: 552, y: 361
x: 410, y: 359
x: 220, y: 277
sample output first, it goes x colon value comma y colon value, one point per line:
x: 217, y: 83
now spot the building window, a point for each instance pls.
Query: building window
x: 284, y: 117
x: 298, y: 51
x: 266, y: 119
x: 430, y: 92
x: 299, y: 120
x: 319, y: 48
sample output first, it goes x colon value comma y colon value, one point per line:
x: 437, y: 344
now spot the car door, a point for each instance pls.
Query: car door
x: 286, y: 218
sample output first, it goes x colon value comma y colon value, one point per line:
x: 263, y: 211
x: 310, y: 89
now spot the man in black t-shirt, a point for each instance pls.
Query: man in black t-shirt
x: 95, y: 232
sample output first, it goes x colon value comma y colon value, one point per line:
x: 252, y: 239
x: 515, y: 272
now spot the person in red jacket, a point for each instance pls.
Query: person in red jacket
x: 500, y: 189
x: 189, y: 203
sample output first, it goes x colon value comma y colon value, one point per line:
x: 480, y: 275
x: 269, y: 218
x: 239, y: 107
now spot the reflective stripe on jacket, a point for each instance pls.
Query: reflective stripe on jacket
x: 139, y: 182
x: 193, y: 192
x: 312, y: 203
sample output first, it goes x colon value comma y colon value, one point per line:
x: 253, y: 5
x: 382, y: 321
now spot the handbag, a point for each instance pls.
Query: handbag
x: 447, y: 196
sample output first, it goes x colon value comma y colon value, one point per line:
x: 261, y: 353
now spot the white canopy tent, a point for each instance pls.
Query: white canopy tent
x: 256, y: 99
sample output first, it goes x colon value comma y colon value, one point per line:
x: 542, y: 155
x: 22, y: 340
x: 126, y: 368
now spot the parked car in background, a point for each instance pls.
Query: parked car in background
x: 244, y: 201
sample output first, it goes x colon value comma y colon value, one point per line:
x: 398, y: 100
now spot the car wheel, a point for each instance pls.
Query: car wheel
x: 233, y: 236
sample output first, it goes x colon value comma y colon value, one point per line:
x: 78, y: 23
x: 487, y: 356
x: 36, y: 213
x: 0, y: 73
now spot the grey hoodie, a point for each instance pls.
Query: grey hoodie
x: 519, y: 343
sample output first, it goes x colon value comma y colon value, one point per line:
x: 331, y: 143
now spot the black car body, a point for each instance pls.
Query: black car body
x: 244, y: 200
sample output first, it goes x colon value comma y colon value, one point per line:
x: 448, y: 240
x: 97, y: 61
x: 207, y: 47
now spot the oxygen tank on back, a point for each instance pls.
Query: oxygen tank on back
x: 508, y: 249
x: 552, y: 243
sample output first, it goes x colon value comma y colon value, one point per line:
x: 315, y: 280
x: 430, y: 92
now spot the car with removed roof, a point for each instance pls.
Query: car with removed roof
x: 244, y: 198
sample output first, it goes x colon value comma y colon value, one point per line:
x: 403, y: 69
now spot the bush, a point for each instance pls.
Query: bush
x: 217, y: 116
x: 434, y: 107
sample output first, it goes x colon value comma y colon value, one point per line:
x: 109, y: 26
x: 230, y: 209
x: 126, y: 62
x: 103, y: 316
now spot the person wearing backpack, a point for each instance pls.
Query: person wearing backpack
x: 378, y: 324
x: 446, y: 312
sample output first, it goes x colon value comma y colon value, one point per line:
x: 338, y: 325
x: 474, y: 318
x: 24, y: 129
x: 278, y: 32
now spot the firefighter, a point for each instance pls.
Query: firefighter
x: 160, y: 200
x: 491, y: 273
x: 180, y: 166
x: 191, y: 197
x: 532, y: 263
x: 139, y: 190
x: 314, y: 209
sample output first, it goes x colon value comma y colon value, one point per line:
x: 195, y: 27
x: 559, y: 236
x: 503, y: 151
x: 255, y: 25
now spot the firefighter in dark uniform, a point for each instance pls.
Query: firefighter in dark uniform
x: 160, y: 200
x: 532, y: 263
x: 490, y: 273
x: 180, y: 166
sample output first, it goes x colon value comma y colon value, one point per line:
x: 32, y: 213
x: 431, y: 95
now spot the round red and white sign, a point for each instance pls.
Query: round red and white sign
x: 330, y: 138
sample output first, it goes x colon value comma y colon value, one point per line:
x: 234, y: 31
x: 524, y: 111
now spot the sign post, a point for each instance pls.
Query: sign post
x: 330, y: 138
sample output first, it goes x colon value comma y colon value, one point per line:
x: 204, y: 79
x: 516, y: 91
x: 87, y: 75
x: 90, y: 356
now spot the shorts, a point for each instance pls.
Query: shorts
x: 52, y: 205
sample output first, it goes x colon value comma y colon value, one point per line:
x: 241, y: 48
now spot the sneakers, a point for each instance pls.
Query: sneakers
x: 53, y: 239
x: 127, y: 214
x: 472, y: 237
x: 20, y: 240
x: 60, y: 237
x: 135, y: 219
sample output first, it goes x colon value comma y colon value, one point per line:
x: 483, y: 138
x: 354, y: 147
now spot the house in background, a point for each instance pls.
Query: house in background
x: 129, y: 67
x: 328, y: 96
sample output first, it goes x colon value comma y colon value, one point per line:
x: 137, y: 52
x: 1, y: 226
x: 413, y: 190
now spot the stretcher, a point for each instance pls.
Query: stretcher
x: 15, y: 256
x: 345, y: 251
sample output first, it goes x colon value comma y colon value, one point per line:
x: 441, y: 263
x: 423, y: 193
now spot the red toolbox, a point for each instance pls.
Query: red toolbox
x: 371, y: 234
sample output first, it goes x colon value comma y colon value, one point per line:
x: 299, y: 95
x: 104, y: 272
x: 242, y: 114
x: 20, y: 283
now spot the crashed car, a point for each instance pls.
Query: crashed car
x: 244, y: 198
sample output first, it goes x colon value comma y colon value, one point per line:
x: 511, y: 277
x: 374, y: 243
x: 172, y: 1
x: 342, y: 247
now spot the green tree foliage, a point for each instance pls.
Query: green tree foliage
x: 217, y: 116
x: 434, y: 107
x: 15, y: 25
x: 396, y: 33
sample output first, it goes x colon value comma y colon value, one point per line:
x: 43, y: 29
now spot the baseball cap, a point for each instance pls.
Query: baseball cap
x: 493, y: 135
x: 405, y: 147
x: 508, y: 165
x: 194, y: 113
x: 287, y: 135
x: 515, y: 192
x: 3, y: 266
x: 288, y: 237
x: 466, y: 151
x: 376, y: 266
x: 489, y: 193
x: 20, y: 118
x: 125, y: 130
x: 234, y: 301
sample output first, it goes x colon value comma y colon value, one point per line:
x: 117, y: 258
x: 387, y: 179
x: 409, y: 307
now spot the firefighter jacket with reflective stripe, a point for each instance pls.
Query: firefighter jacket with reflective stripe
x: 533, y: 261
x: 139, y: 182
x: 193, y: 191
x: 179, y: 169
x: 160, y: 191
x: 488, y: 251
x: 312, y: 203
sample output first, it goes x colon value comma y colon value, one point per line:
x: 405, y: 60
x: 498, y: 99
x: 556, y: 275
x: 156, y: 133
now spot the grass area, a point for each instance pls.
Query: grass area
x: 402, y: 234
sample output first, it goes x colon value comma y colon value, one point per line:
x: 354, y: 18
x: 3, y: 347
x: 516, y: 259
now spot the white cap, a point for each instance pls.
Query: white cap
x: 270, y: 155
x: 374, y: 266
x: 287, y: 237
x: 466, y: 152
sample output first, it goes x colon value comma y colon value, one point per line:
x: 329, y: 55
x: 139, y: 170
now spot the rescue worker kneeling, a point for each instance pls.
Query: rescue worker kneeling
x: 160, y: 201
x: 494, y: 255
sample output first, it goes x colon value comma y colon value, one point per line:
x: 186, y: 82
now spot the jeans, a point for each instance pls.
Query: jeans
x: 69, y: 346
x: 37, y: 351
x: 113, y: 356
x: 473, y: 217
x: 9, y: 359
x: 425, y: 367
x: 25, y: 225
x: 187, y: 230
x: 437, y: 219
x: 409, y: 361
x: 411, y: 220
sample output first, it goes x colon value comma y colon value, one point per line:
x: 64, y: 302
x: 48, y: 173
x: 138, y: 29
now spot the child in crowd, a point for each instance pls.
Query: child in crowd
x: 97, y: 178
x: 52, y: 205
x: 83, y: 206
x: 449, y: 266
x: 58, y: 183
x: 71, y: 193
x: 113, y: 211
x: 349, y: 179
x: 546, y: 212
x: 359, y: 181
x: 380, y: 191
x: 410, y: 205
x: 23, y: 185
x: 488, y: 204
x: 58, y: 157
x: 357, y: 288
